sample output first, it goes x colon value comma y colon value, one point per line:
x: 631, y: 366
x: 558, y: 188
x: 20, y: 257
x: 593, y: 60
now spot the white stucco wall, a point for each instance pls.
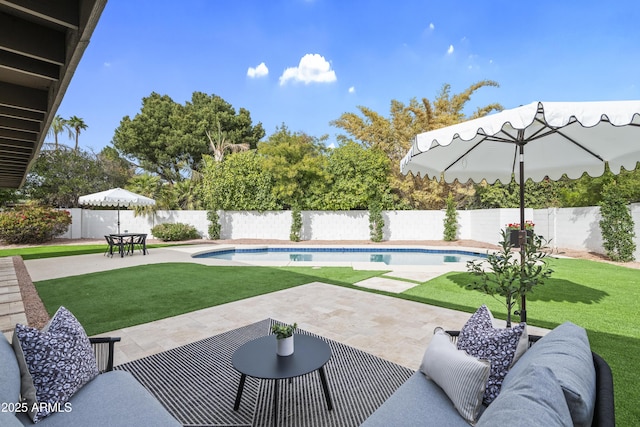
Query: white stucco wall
x: 572, y: 228
x: 255, y: 225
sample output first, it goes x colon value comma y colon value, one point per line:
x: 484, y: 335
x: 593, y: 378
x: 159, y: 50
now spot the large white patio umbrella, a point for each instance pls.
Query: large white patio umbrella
x: 118, y: 197
x: 538, y: 140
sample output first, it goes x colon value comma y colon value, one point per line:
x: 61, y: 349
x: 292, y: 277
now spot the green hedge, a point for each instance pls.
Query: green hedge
x: 174, y: 232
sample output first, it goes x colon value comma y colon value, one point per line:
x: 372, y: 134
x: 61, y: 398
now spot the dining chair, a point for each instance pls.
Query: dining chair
x: 114, y: 243
x: 139, y: 241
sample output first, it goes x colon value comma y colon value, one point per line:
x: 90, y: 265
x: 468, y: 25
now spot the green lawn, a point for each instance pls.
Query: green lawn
x: 602, y: 298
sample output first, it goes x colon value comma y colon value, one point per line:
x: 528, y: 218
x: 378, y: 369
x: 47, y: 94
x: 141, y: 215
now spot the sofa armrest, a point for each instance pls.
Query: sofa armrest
x: 604, y: 411
x: 103, y: 348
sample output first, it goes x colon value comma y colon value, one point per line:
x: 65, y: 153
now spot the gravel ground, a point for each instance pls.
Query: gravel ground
x: 37, y: 315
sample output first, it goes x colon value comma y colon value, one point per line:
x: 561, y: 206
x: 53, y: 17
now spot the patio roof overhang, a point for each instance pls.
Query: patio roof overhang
x: 41, y: 43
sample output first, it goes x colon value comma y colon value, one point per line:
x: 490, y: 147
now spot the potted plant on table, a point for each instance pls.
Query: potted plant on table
x: 514, y: 228
x: 284, y: 338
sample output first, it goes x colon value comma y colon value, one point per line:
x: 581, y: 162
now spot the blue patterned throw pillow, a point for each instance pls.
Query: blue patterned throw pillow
x: 479, y: 338
x: 54, y: 363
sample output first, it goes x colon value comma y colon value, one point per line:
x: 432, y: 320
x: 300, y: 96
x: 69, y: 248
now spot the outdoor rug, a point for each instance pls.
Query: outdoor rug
x: 197, y: 384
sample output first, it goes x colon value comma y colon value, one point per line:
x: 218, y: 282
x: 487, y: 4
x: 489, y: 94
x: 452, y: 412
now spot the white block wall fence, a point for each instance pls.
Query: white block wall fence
x: 571, y: 228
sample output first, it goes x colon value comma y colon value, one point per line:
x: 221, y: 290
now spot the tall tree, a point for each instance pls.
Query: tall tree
x: 357, y: 176
x: 393, y: 136
x: 186, y: 194
x: 169, y: 139
x: 59, y: 125
x: 116, y: 167
x: 297, y: 163
x: 241, y: 182
x: 78, y: 125
x: 59, y: 177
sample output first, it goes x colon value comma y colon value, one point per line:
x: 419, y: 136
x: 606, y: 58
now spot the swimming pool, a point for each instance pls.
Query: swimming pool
x: 388, y: 256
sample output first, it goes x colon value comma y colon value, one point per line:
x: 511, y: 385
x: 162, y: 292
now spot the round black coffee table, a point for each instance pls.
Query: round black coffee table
x: 258, y: 359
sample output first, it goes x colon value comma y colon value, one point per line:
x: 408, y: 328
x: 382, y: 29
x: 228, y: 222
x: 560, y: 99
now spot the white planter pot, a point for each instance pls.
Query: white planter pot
x: 285, y: 346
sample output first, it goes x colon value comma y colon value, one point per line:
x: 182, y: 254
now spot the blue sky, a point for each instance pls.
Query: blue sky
x: 305, y: 62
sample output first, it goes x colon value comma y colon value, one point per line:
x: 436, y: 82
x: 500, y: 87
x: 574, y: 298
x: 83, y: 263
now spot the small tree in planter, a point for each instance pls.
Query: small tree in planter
x: 506, y: 276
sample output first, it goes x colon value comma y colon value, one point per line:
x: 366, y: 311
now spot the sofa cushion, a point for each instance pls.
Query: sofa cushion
x: 462, y: 377
x: 417, y: 402
x: 533, y: 399
x: 54, y: 363
x: 9, y: 375
x: 566, y: 351
x: 8, y: 419
x: 112, y: 399
x: 480, y: 339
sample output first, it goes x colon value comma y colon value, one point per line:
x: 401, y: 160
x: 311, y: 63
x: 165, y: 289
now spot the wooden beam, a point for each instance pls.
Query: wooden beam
x: 14, y: 160
x: 11, y: 170
x: 32, y: 40
x: 32, y: 67
x: 18, y: 124
x: 15, y: 152
x: 18, y: 137
x: 59, y: 12
x: 9, y: 182
x: 16, y: 113
x: 23, y: 97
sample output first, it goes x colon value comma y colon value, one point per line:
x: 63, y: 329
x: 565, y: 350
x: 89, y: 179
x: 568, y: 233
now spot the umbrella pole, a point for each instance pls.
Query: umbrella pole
x: 118, y: 219
x: 522, y: 237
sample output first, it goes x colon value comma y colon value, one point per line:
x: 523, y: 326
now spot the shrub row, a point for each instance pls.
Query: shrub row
x: 32, y: 223
x: 174, y: 232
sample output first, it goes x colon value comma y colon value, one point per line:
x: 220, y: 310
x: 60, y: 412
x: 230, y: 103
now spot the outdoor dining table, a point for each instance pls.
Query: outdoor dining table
x: 127, y: 239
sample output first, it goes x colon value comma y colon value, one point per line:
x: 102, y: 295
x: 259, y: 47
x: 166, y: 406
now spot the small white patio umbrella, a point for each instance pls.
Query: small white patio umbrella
x: 118, y: 197
x: 549, y: 138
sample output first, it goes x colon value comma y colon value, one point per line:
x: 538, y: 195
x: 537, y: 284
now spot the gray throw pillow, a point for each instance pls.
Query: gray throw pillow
x: 534, y: 399
x: 566, y: 351
x: 460, y: 376
x: 54, y: 363
x: 480, y: 339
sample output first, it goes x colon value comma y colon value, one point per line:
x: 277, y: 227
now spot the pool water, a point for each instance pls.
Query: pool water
x: 395, y: 256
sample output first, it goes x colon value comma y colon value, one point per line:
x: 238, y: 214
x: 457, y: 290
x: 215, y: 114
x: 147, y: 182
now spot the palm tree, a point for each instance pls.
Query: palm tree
x: 59, y: 125
x: 77, y: 124
x: 221, y: 144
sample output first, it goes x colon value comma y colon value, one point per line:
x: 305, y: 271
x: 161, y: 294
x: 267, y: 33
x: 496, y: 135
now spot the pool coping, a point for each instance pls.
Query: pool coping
x: 356, y: 265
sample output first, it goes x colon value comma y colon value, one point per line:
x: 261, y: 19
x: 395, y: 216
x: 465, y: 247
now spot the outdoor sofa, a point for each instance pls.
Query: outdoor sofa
x: 113, y: 398
x: 580, y: 382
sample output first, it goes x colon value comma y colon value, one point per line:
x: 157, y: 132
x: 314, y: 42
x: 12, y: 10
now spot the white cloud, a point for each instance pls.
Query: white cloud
x: 432, y: 27
x: 107, y: 64
x: 450, y: 50
x: 313, y: 68
x: 260, y: 71
x: 352, y: 89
